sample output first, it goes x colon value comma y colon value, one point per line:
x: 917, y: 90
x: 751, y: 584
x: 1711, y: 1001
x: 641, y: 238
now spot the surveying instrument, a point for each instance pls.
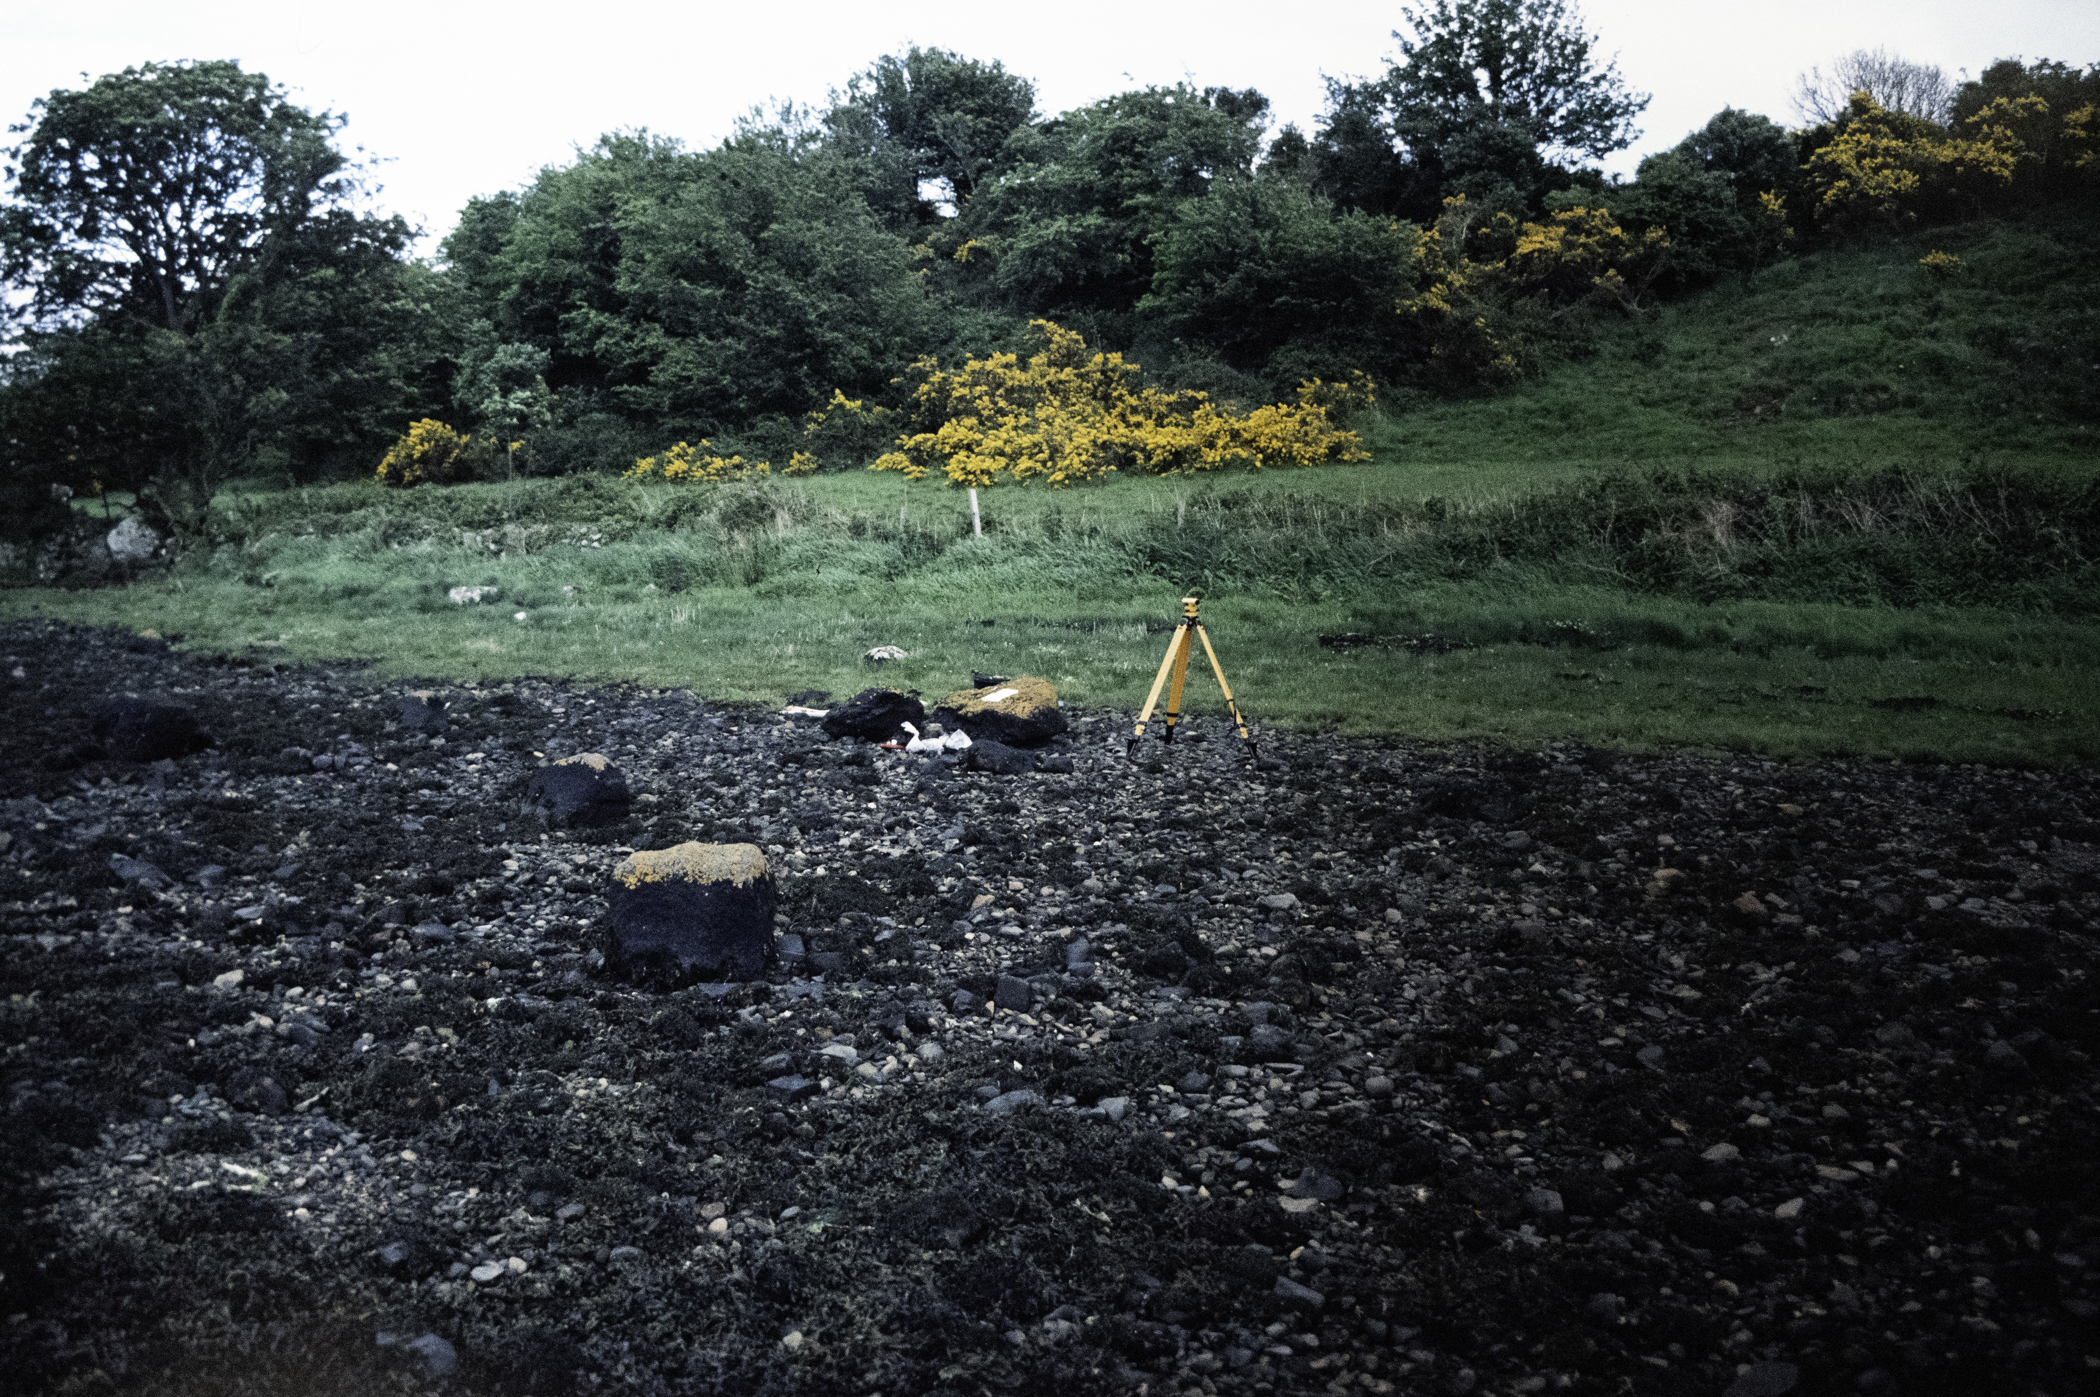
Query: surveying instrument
x: 1186, y: 633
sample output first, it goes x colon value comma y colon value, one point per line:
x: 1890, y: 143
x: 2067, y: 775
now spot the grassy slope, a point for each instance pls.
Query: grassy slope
x: 1844, y: 361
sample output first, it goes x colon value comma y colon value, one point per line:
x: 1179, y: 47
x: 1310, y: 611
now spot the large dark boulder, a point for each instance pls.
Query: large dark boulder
x: 999, y: 759
x: 1019, y: 712
x: 875, y: 715
x: 139, y: 730
x: 580, y: 792
x: 690, y: 913
x: 423, y: 715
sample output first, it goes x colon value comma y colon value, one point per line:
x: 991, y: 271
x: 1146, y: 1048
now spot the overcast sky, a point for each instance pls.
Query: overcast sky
x: 465, y: 99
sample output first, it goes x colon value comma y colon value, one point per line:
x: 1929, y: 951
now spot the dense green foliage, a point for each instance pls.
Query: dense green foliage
x: 197, y: 297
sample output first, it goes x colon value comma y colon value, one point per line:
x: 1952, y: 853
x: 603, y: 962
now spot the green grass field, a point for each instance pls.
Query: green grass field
x: 1842, y: 507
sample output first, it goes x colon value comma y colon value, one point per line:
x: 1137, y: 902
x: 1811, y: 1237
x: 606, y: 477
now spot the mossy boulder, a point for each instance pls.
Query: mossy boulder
x: 1019, y: 712
x: 580, y: 792
x: 689, y: 913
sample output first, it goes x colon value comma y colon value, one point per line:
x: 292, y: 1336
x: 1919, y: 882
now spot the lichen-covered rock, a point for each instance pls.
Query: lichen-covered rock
x: 132, y: 542
x: 875, y: 715
x: 689, y: 913
x: 580, y: 792
x: 139, y: 730
x: 1018, y: 712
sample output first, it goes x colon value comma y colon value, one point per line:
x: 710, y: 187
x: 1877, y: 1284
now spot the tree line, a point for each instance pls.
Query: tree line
x: 195, y: 291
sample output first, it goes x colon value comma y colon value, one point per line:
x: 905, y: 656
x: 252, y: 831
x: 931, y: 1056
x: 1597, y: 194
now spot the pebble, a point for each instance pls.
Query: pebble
x: 1764, y: 1380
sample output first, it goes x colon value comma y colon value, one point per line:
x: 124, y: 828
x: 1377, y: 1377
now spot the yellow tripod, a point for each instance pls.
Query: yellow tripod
x: 1176, y: 663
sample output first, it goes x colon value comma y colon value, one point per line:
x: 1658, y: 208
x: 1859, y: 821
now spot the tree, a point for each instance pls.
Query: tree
x: 1261, y: 270
x: 694, y: 293
x: 1488, y: 98
x: 197, y: 300
x: 929, y: 118
x: 146, y: 193
x: 1075, y: 216
x: 2062, y: 133
x: 1896, y: 84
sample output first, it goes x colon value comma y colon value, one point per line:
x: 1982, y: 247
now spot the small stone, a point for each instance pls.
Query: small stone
x: 438, y: 1356
x: 1720, y: 1154
x: 619, y: 1254
x: 718, y: 1227
x: 1115, y: 1107
x: 1751, y: 908
x: 929, y: 1053
x: 228, y: 980
x: 963, y: 1002
x: 1545, y: 1202
x: 792, y: 1087
x: 568, y: 1212
x: 1006, y: 1103
x: 1378, y: 1088
x: 486, y: 1271
x: 1293, y: 1293
x: 1013, y: 994
x: 792, y: 1341
x: 1278, y: 902
x: 2004, y: 1057
x: 1789, y: 1210
x: 1764, y: 1380
x: 1650, y: 1057
x: 1392, y: 915
x: 1268, y: 1039
x: 139, y: 871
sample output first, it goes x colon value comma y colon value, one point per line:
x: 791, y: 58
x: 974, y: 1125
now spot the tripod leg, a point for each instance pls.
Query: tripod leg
x: 1181, y: 673
x: 1159, y: 682
x: 1231, y: 707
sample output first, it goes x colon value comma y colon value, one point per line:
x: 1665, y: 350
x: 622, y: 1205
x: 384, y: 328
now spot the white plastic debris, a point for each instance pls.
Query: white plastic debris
x: 998, y: 696
x: 468, y: 596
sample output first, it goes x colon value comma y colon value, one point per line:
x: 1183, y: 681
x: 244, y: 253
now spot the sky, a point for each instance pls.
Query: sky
x: 451, y: 100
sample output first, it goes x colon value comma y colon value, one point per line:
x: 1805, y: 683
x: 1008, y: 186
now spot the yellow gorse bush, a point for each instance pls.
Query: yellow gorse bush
x: 1065, y: 416
x: 695, y: 465
x: 1944, y: 264
x: 1883, y: 167
x: 431, y: 453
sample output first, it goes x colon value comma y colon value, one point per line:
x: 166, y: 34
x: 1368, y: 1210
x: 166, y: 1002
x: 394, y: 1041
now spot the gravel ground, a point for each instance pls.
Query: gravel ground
x: 1380, y: 1066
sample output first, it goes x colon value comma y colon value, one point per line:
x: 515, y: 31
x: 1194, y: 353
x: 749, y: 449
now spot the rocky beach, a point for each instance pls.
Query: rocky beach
x: 1364, y: 1066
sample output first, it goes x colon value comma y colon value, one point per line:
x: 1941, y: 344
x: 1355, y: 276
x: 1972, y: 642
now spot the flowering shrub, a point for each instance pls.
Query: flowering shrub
x: 695, y: 465
x: 1064, y: 416
x: 1474, y: 266
x: 1940, y: 264
x: 845, y: 431
x: 1883, y: 169
x: 431, y: 453
x: 1343, y: 399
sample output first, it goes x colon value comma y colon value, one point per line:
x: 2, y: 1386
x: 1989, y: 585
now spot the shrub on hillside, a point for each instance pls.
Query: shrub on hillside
x: 696, y: 465
x: 1066, y: 417
x: 431, y: 453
